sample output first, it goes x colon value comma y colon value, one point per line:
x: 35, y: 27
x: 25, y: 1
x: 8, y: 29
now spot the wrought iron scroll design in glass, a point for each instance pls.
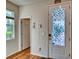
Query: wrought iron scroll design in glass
x: 58, y: 26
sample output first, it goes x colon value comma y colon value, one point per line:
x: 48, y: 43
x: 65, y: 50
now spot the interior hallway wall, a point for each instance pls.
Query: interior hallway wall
x: 39, y: 36
x: 12, y: 45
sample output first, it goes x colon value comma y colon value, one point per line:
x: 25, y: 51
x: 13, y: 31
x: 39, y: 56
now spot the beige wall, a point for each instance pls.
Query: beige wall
x: 39, y: 37
x: 12, y: 45
x: 39, y: 14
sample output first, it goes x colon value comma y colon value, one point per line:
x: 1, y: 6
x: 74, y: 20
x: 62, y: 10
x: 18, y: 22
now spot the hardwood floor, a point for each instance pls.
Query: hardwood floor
x: 25, y: 54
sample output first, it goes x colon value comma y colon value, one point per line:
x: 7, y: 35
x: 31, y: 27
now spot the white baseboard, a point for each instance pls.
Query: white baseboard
x: 39, y: 55
x: 11, y: 53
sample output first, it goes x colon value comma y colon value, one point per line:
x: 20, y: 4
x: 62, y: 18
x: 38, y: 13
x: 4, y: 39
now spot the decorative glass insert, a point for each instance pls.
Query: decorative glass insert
x: 58, y: 26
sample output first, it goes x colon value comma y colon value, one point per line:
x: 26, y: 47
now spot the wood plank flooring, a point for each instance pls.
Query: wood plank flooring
x: 25, y: 54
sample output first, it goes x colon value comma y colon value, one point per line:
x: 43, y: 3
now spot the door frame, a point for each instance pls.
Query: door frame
x: 20, y: 31
x: 51, y: 5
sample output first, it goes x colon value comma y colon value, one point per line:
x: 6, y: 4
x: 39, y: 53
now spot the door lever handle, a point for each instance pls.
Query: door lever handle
x: 50, y: 36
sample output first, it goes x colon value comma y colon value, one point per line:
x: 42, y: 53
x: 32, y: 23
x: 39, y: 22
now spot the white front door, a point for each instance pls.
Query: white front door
x: 61, y: 50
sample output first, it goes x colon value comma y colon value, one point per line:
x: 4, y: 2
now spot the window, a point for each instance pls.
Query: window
x: 10, y: 25
x: 58, y: 26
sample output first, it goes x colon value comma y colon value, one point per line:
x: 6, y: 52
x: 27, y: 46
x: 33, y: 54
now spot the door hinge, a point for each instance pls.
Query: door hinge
x: 69, y: 54
x: 69, y: 6
x: 69, y: 23
x: 69, y: 38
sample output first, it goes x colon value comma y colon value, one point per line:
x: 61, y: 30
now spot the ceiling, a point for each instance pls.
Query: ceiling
x: 25, y: 2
